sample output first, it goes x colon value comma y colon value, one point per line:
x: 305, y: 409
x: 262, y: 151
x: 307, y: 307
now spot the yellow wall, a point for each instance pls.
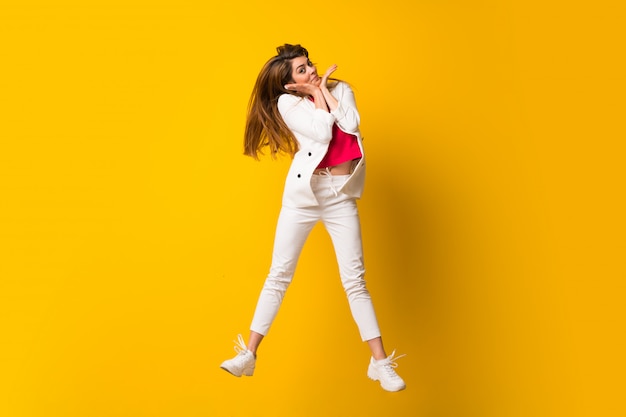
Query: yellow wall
x: 135, y: 237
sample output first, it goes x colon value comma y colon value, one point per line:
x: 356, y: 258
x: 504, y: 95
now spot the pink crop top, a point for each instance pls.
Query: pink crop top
x: 343, y: 147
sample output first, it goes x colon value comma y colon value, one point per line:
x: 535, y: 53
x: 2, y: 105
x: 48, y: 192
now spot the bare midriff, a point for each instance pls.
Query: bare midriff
x: 344, y: 168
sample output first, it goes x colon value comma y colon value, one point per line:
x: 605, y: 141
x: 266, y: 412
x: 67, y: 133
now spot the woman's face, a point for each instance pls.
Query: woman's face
x: 303, y: 71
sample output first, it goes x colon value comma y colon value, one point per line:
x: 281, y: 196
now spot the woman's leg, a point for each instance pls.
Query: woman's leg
x: 292, y: 230
x: 254, y: 341
x: 341, y: 220
x: 376, y: 346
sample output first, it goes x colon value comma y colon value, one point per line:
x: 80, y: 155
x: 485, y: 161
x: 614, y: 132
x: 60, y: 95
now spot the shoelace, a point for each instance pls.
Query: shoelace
x: 390, y: 364
x: 240, y: 345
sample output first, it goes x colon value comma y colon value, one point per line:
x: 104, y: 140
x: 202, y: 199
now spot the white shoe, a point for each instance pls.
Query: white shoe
x: 384, y: 371
x: 243, y: 363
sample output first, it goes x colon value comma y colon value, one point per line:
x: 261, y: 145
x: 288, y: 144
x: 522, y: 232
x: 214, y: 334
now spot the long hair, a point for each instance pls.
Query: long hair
x: 264, y: 124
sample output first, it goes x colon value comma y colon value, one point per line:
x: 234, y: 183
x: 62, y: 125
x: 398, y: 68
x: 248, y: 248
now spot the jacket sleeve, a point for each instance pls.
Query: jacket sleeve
x: 346, y: 114
x: 303, y: 118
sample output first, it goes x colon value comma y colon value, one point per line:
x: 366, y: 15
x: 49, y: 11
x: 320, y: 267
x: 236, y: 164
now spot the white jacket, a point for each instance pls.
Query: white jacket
x: 313, y: 130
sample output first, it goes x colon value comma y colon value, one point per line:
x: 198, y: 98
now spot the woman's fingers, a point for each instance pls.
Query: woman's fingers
x: 330, y: 70
x: 296, y: 87
x: 301, y: 88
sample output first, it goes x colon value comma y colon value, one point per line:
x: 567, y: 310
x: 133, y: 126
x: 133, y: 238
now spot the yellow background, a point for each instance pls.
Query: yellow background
x: 135, y: 237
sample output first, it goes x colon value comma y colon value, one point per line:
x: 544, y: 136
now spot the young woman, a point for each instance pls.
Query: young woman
x: 294, y: 111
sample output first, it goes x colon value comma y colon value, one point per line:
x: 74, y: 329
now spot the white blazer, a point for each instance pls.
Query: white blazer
x: 313, y: 130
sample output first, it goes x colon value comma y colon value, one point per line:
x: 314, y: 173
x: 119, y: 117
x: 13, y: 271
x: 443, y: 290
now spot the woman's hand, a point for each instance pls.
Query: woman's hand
x: 304, y: 88
x: 311, y: 88
x: 329, y: 71
x: 318, y: 90
x: 331, y: 101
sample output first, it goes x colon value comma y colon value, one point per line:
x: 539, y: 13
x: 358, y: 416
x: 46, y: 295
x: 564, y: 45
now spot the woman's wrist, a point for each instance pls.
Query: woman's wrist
x: 318, y: 94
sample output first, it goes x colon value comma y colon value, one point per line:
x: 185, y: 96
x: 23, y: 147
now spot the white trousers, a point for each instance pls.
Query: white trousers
x: 340, y: 216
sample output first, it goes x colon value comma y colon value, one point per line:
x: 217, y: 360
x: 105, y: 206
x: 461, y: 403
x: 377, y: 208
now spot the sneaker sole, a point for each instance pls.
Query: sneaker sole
x: 245, y: 372
x: 373, y: 375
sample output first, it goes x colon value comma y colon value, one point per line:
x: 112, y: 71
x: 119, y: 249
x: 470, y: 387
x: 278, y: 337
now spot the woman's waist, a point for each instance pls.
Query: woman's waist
x: 345, y: 168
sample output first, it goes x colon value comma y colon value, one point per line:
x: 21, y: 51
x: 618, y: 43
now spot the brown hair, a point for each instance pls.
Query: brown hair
x: 264, y: 124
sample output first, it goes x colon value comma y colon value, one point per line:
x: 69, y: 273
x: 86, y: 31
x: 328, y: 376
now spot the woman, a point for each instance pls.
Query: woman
x: 294, y: 111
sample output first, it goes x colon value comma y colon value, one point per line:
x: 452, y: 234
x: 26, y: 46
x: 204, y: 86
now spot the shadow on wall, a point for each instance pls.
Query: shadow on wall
x: 428, y: 277
x: 420, y: 249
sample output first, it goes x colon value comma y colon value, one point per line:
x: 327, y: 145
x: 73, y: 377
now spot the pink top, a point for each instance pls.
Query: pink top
x: 343, y: 147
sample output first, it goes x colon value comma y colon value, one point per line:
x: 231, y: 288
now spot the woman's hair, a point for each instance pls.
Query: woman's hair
x: 264, y: 125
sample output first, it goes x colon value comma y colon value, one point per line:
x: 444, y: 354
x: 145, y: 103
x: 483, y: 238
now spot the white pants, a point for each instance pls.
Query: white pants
x: 340, y: 216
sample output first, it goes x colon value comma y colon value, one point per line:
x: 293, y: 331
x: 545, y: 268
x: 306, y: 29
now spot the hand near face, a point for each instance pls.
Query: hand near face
x: 304, y: 88
x: 327, y: 74
x: 310, y: 87
x: 307, y: 82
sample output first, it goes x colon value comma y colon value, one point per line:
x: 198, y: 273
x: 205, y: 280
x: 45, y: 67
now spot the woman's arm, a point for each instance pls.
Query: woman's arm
x: 331, y: 101
x: 346, y: 113
x: 342, y: 103
x: 302, y: 117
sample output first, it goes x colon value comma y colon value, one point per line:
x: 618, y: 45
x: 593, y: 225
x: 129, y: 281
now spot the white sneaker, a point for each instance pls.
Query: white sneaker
x: 243, y: 363
x: 384, y: 371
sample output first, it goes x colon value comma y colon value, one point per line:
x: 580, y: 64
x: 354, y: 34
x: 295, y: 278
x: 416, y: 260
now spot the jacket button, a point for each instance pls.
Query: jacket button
x: 299, y: 175
x: 310, y: 154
